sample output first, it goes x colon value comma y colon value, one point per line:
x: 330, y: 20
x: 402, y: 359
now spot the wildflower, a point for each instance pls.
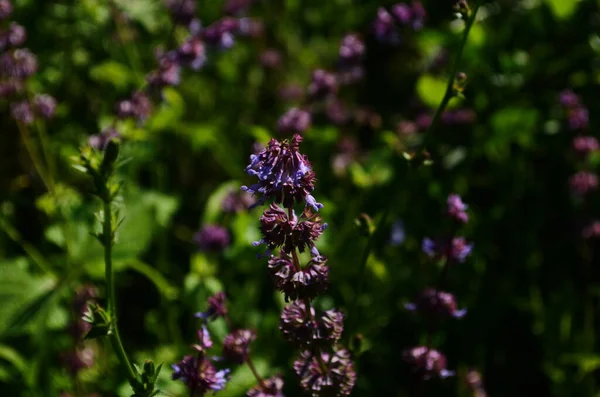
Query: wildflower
x: 455, y: 250
x: 323, y: 83
x: 21, y: 111
x: 192, y: 53
x: 204, y: 340
x: 291, y: 92
x: 250, y: 27
x: 220, y: 33
x: 233, y: 7
x: 14, y: 37
x: 337, y: 379
x: 427, y: 362
x: 216, y: 307
x: 139, y: 106
x: 583, y: 182
x: 44, y: 105
x: 457, y: 208
x: 337, y: 112
x: 352, y: 50
x: 236, y: 345
x: 301, y: 327
x: 18, y: 64
x: 407, y: 128
x: 99, y: 141
x: 270, y: 58
x: 584, y: 145
x: 280, y: 231
x: 568, y: 99
x: 294, y: 121
x: 578, y: 118
x: 271, y: 388
x: 433, y: 302
x: 10, y: 87
x: 236, y: 201
x: 5, y: 9
x: 384, y: 27
x: 199, y: 374
x: 305, y: 283
x: 168, y: 72
x: 284, y: 174
x: 212, y: 238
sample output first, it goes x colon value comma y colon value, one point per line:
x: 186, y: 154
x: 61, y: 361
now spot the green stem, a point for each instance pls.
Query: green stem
x: 114, y: 336
x: 259, y: 379
x: 428, y: 136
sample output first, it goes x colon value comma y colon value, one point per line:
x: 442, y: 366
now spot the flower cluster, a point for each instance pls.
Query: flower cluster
x: 198, y: 371
x: 434, y: 304
x: 585, y: 181
x: 212, y: 238
x: 191, y: 53
x: 390, y: 23
x: 17, y: 64
x: 285, y: 176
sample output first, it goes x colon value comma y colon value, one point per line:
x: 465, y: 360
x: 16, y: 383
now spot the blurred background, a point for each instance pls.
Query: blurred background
x: 530, y: 286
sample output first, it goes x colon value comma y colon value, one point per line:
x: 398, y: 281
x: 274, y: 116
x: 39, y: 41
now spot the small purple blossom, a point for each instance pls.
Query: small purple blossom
x: 456, y: 250
x: 139, y: 106
x: 220, y: 33
x: 236, y: 345
x: 182, y: 12
x: 583, y: 182
x: 284, y: 174
x: 79, y: 359
x: 22, y: 112
x: 18, y: 64
x: 568, y: 99
x: 271, y: 387
x: 216, y: 307
x: 13, y: 37
x: 323, y: 83
x: 270, y: 58
x: 233, y: 7
x: 294, y: 121
x: 459, y: 116
x: 308, y: 282
x: 384, y: 27
x: 434, y: 303
x: 578, y: 118
x: 168, y: 72
x: 200, y: 375
x: 213, y: 238
x: 250, y: 27
x: 44, y: 105
x: 337, y: 380
x: 457, y: 209
x: 5, y: 9
x: 352, y: 50
x: 192, y: 53
x: 302, y: 328
x: 584, y: 145
x: 99, y: 141
x: 427, y: 362
x: 235, y: 202
x: 204, y: 340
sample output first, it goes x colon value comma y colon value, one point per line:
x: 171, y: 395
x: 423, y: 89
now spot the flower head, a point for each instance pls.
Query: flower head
x: 337, y: 380
x: 200, y: 374
x: 5, y: 9
x: 280, y: 231
x: 99, y: 141
x: 301, y: 327
x: 457, y: 209
x: 583, y: 182
x: 22, y: 111
x: 284, y: 174
x: 568, y: 99
x: 236, y: 201
x: 216, y: 307
x: 294, y: 121
x: 352, y: 50
x: 456, y: 250
x: 192, y: 53
x: 578, y: 118
x: 322, y: 84
x: 212, y: 238
x: 584, y: 145
x: 182, y: 12
x: 220, y: 33
x: 305, y: 283
x: 139, y: 106
x: 44, y: 105
x: 13, y: 37
x: 271, y: 388
x: 18, y: 64
x: 204, y: 340
x: 432, y: 302
x: 427, y: 362
x: 237, y: 344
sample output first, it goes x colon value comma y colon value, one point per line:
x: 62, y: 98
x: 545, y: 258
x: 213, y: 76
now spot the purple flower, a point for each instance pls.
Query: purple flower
x: 99, y: 141
x: 44, y: 105
x: 584, y: 145
x: 427, y: 362
x: 455, y: 250
x: 578, y: 118
x: 592, y: 230
x: 5, y: 9
x: 432, y: 302
x: 168, y: 72
x: 407, y: 128
x: 418, y: 15
x: 294, y: 121
x: 352, y: 50
x: 323, y: 83
x: 10, y: 87
x: 270, y: 58
x: 14, y: 37
x: 236, y: 345
x: 337, y: 380
x: 181, y: 11
x: 337, y: 112
x: 459, y: 116
x: 22, y: 112
x: 200, y: 375
x: 403, y: 13
x: 272, y: 388
x: 384, y: 27
x: 291, y: 92
x: 79, y: 359
x: 233, y: 7
x: 236, y: 201
x: 216, y: 307
x: 280, y: 231
x: 284, y: 174
x: 583, y: 182
x: 306, y: 283
x: 213, y: 238
x: 19, y: 64
x: 302, y: 328
x: 204, y: 340
x: 568, y: 99
x: 457, y: 208
x: 250, y: 27
x: 220, y: 33
x: 192, y: 53
x: 139, y: 106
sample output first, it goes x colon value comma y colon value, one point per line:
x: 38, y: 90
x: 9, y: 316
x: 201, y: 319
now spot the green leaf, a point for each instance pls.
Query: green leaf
x: 17, y: 361
x: 562, y: 9
x: 146, y: 12
x: 112, y: 72
x: 162, y: 284
x: 242, y: 379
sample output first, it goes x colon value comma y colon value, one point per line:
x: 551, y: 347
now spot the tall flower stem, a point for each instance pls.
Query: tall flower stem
x: 427, y: 138
x: 259, y: 379
x: 115, y: 338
